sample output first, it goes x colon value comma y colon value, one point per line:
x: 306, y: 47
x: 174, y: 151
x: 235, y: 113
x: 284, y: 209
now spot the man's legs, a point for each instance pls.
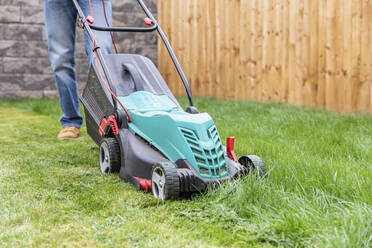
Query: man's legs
x: 60, y: 22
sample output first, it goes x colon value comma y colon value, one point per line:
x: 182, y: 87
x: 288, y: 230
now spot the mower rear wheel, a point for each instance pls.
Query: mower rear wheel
x: 165, y: 183
x: 253, y: 164
x: 109, y: 156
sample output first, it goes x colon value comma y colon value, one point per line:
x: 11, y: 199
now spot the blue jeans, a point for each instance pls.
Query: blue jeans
x: 60, y: 23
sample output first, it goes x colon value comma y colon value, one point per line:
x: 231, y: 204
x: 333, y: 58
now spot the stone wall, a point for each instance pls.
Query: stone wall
x: 24, y: 64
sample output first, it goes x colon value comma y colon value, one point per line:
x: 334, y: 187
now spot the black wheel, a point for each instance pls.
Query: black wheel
x: 109, y: 156
x: 165, y: 183
x: 253, y: 164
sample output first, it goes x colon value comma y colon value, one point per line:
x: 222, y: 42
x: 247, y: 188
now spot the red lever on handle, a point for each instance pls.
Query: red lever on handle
x: 90, y: 19
x: 148, y: 21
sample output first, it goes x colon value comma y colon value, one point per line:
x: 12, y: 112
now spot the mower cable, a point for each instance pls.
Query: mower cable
x: 105, y: 83
x: 112, y: 35
x: 99, y: 67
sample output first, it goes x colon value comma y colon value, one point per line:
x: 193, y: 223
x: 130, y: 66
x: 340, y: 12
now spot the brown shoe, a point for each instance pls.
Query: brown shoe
x: 69, y: 133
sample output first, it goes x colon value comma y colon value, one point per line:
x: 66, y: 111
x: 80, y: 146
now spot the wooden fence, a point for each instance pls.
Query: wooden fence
x: 316, y: 53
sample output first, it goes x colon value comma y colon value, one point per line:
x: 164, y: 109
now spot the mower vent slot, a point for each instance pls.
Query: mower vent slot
x: 211, y: 162
x: 203, y: 171
x: 200, y: 160
x: 214, y: 134
x: 213, y: 130
x: 188, y: 133
x: 196, y: 151
x: 194, y: 144
x: 189, y: 137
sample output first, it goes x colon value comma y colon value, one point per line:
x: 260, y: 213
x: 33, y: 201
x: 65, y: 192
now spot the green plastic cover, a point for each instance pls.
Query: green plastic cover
x: 176, y: 133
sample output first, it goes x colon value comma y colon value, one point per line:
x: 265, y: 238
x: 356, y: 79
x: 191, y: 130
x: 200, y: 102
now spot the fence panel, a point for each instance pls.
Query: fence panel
x: 315, y: 53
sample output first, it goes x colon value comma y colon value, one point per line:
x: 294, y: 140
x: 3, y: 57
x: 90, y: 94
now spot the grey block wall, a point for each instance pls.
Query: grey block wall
x: 24, y: 63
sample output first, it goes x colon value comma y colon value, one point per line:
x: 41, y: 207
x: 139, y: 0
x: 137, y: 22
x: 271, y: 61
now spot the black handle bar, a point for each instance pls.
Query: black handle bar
x: 125, y: 29
x: 154, y: 27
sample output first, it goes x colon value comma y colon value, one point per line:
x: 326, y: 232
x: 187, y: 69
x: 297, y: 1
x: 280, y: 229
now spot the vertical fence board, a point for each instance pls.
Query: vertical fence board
x: 255, y: 49
x: 259, y: 50
x: 305, y: 89
x: 285, y: 52
x: 236, y: 36
x: 199, y: 55
x: 270, y: 51
x: 364, y: 89
x: 278, y: 36
x: 312, y: 53
x: 355, y: 50
x: 219, y: 43
x: 299, y: 71
x: 313, y: 24
x: 244, y: 46
x: 212, y: 68
x: 292, y: 52
x: 330, y: 55
x: 347, y: 44
x: 228, y: 50
x: 193, y: 39
x: 340, y: 56
x: 322, y: 37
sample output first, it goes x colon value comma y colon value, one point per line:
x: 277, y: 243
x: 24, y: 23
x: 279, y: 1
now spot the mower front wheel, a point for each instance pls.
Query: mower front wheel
x: 109, y: 156
x: 165, y: 183
x: 253, y: 164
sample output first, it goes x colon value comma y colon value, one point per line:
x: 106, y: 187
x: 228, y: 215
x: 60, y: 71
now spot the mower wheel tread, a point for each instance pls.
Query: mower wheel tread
x: 253, y: 164
x: 113, y: 150
x: 172, y: 182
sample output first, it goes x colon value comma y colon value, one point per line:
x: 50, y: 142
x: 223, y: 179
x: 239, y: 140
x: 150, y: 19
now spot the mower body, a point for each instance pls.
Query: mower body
x: 159, y: 130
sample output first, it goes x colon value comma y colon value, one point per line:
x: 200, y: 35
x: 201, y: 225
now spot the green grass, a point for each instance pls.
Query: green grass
x: 317, y: 192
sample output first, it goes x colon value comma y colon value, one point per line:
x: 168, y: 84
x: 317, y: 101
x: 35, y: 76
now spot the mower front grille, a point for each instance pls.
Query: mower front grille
x: 211, y: 162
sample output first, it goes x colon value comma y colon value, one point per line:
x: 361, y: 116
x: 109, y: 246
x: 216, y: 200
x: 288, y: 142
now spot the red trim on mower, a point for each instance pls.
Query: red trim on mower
x: 230, y: 148
x: 102, y: 126
x: 145, y: 184
x: 108, y: 123
x: 114, y: 125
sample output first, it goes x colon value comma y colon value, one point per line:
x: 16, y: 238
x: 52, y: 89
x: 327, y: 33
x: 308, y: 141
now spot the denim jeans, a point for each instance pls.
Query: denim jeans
x: 60, y: 24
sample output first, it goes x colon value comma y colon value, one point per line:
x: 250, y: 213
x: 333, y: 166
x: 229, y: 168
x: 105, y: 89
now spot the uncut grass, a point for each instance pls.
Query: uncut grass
x: 317, y: 191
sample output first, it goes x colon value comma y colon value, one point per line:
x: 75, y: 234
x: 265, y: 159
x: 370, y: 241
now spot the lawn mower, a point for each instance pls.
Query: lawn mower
x: 141, y: 130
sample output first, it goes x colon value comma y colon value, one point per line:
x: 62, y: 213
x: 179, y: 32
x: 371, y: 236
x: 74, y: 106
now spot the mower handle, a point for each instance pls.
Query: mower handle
x: 88, y: 26
x: 125, y: 29
x: 149, y: 22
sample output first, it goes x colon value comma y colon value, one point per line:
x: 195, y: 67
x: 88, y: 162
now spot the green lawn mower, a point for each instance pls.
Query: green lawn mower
x: 142, y: 131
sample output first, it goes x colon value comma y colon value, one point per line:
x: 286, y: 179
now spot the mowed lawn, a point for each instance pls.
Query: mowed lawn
x: 317, y: 191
